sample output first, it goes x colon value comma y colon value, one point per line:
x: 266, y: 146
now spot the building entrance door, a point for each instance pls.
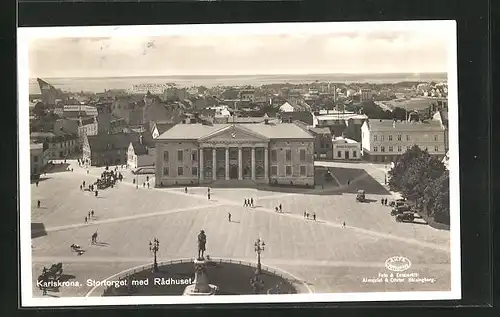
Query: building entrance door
x: 233, y: 172
x: 346, y: 155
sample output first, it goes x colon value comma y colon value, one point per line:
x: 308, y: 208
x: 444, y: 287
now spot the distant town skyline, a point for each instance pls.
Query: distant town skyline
x: 360, y: 52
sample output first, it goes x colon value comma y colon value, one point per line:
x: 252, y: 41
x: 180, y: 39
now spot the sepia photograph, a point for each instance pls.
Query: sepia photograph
x: 239, y: 163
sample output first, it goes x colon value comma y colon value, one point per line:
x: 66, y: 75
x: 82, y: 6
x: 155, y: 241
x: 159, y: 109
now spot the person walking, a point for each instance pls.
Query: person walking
x: 343, y: 224
x: 307, y: 215
x: 148, y: 184
x: 38, y: 204
x: 314, y: 216
x: 251, y: 202
x: 185, y: 189
x: 245, y: 203
x: 208, y: 196
x: 304, y: 215
x: 144, y: 185
x: 86, y: 219
x: 83, y: 183
x: 92, y: 213
x: 81, y: 187
x: 89, y: 215
x: 281, y: 209
x: 276, y: 209
x: 36, y: 183
x: 229, y: 216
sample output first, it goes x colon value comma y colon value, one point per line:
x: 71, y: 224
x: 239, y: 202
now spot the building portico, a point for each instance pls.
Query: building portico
x: 226, y: 152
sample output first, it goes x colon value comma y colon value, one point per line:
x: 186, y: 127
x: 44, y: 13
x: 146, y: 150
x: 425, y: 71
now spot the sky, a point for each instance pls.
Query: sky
x: 393, y: 51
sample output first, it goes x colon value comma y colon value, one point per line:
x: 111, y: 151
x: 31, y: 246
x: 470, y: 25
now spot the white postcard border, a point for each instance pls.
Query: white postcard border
x: 25, y: 35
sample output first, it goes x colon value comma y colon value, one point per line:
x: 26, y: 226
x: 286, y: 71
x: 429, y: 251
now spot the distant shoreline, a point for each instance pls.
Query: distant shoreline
x: 99, y: 84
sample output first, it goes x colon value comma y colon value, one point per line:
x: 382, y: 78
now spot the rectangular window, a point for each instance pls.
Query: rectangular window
x: 180, y: 155
x: 194, y: 171
x: 274, y: 170
x: 381, y: 138
x: 303, y: 170
x: 436, y: 148
x: 435, y: 137
x: 391, y: 148
x: 339, y: 153
x: 375, y: 137
x: 399, y: 148
x: 194, y: 155
x: 274, y: 155
x: 165, y: 156
x: 288, y: 155
x: 399, y: 137
x: 354, y: 154
x: 302, y: 155
x: 390, y: 137
x: 165, y: 171
x: 407, y: 137
x: 35, y: 158
x: 375, y: 149
x: 288, y: 170
x: 180, y: 171
x: 382, y: 149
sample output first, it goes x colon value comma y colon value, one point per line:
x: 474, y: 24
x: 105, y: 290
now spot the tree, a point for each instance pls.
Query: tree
x: 401, y: 165
x: 399, y: 113
x: 39, y: 110
x: 437, y: 198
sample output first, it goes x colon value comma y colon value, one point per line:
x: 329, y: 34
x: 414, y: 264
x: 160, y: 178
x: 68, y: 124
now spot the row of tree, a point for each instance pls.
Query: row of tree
x: 423, y: 179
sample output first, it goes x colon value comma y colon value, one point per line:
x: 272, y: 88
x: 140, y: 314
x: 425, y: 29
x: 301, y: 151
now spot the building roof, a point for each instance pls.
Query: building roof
x: 320, y: 130
x: 139, y: 149
x: 107, y: 141
x: 271, y: 131
x: 391, y: 125
x: 164, y: 126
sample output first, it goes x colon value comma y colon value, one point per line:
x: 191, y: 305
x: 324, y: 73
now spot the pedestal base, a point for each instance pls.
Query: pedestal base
x: 192, y: 291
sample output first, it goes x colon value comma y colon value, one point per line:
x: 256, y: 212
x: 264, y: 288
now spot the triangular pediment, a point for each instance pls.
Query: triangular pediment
x: 236, y: 133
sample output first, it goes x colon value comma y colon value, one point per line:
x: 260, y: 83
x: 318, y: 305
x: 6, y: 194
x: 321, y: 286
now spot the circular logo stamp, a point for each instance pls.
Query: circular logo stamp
x: 398, y: 264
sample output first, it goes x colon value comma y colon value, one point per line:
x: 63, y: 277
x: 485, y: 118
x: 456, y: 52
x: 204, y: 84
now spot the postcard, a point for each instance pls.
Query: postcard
x: 239, y: 163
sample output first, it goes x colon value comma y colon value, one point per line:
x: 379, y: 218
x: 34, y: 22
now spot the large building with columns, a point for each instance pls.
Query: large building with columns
x: 231, y: 154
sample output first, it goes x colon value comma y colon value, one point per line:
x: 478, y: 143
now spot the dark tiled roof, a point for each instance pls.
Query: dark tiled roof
x: 104, y: 142
x: 164, y: 126
x: 320, y: 130
x: 139, y: 149
x: 304, y: 116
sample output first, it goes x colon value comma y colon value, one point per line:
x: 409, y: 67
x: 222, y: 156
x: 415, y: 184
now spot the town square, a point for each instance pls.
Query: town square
x: 323, y: 253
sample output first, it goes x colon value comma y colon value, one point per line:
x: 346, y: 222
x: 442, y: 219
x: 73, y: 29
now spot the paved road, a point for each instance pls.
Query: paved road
x: 318, y: 251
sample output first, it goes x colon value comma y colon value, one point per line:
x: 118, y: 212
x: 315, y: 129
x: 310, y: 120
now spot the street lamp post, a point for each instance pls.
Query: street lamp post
x: 154, y: 247
x: 136, y: 181
x: 259, y: 247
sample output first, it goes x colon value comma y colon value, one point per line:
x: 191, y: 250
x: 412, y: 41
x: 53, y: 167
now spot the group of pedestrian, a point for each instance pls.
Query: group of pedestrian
x: 89, y: 216
x: 307, y: 215
x: 383, y: 201
x: 248, y: 202
x: 278, y: 209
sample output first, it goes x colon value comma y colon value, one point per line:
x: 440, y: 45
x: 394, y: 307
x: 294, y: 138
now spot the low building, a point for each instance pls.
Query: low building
x: 366, y: 94
x: 385, y: 140
x: 235, y: 153
x: 247, y: 95
x: 140, y: 154
x: 346, y: 149
x: 107, y: 149
x: 38, y: 159
x: 323, y: 147
x: 286, y: 107
x: 59, y: 144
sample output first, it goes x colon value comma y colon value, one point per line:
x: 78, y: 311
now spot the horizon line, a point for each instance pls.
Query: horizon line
x: 261, y: 74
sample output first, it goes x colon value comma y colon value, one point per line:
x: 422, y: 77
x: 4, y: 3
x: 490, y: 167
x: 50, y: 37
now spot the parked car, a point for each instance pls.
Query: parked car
x: 396, y: 210
x: 407, y: 216
x: 397, y: 202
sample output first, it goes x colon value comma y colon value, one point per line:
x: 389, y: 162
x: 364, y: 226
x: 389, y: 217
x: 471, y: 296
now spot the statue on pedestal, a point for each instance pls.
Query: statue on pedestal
x: 200, y: 284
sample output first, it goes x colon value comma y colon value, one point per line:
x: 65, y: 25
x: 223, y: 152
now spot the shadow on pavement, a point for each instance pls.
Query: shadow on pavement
x: 37, y: 230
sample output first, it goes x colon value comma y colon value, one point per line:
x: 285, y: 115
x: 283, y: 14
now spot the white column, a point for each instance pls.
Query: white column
x: 240, y: 163
x: 201, y: 165
x: 227, y: 163
x: 266, y: 163
x: 214, y: 164
x: 253, y: 163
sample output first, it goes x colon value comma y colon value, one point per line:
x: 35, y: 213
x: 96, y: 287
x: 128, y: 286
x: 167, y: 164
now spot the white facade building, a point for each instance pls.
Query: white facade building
x: 384, y: 140
x: 38, y: 158
x: 346, y: 149
x: 286, y: 107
